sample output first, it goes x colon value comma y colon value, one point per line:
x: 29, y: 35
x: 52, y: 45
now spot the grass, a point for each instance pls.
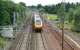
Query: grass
x: 52, y: 16
x: 2, y: 42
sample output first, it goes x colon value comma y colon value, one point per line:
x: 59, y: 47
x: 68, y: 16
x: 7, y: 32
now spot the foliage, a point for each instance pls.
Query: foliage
x: 70, y: 15
x: 7, y: 9
x: 2, y: 42
x: 52, y: 17
x: 4, y: 18
x: 76, y: 24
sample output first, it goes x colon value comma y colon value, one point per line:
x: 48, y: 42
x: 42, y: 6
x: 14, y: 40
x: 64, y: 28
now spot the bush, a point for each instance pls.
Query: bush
x: 76, y: 28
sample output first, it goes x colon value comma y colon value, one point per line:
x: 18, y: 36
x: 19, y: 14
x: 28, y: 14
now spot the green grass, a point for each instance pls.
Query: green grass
x: 2, y: 42
x: 52, y: 16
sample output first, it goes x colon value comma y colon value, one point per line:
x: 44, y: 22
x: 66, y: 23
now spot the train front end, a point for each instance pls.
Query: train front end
x: 38, y: 25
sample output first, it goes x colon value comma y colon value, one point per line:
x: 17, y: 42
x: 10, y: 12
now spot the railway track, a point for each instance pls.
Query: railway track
x: 21, y: 37
x: 58, y: 37
x: 48, y: 39
x: 68, y: 44
x: 51, y: 42
x: 36, y: 42
x: 20, y: 40
x: 28, y: 40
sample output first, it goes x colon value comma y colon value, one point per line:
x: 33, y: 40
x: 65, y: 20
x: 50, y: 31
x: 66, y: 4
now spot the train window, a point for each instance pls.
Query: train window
x: 38, y: 22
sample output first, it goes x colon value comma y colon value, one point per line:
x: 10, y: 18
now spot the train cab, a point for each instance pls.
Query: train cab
x: 37, y: 23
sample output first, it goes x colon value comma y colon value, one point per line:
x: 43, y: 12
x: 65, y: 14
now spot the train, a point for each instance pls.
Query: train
x: 37, y: 23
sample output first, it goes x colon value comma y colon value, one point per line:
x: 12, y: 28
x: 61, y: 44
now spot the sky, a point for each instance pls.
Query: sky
x: 43, y: 2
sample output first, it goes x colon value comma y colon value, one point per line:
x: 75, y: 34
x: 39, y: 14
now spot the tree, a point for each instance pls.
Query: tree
x: 76, y: 24
x: 71, y: 15
x: 39, y: 6
x: 7, y: 9
x: 4, y: 18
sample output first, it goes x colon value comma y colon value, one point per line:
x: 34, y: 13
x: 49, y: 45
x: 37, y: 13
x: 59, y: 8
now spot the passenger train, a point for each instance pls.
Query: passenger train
x: 37, y: 23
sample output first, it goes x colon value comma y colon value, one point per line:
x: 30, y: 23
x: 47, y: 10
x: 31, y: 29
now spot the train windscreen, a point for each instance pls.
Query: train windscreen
x: 38, y: 22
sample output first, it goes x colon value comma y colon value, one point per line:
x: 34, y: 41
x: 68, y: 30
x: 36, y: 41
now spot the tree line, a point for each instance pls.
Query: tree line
x: 9, y: 10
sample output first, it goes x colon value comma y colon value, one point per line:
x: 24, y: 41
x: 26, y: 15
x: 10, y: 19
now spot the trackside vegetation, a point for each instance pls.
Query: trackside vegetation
x: 9, y: 9
x: 52, y: 16
x: 11, y: 13
x: 2, y: 42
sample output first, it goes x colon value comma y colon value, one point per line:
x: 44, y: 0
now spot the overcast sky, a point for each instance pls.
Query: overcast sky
x: 43, y: 2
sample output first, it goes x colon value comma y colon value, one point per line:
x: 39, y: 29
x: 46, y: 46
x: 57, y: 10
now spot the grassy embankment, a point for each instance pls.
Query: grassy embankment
x: 54, y: 17
x: 2, y: 42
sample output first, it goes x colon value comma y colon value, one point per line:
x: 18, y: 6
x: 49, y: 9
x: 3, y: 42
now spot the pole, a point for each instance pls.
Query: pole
x: 62, y: 20
x: 63, y: 36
